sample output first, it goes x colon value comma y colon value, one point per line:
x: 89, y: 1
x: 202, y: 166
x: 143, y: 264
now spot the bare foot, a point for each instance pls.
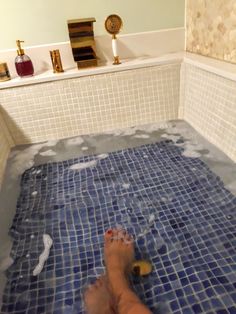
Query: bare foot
x: 119, y: 255
x: 118, y: 251
x: 97, y: 298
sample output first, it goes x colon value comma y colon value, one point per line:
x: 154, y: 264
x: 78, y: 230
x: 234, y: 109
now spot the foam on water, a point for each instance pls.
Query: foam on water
x: 148, y: 128
x: 143, y: 136
x: 151, y: 218
x: 51, y: 143
x: 121, y: 132
x: 173, y: 138
x: 47, y: 241
x: 24, y: 159
x: 191, y: 153
x: 152, y: 127
x: 76, y: 141
x: 126, y: 185
x: 102, y: 156
x: 83, y: 165
x: 128, y: 131
x: 49, y: 152
x: 191, y: 147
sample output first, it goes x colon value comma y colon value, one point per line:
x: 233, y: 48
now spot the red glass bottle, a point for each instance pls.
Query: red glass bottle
x: 23, y: 63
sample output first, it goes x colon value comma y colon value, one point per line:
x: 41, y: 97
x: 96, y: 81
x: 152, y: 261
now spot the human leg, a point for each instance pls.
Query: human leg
x: 98, y: 299
x: 119, y: 255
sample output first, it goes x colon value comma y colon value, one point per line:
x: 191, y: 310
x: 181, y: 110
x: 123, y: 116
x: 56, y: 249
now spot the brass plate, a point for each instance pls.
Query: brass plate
x: 113, y: 24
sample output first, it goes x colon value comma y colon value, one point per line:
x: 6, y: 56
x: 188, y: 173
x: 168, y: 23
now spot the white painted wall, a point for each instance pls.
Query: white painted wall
x: 44, y: 22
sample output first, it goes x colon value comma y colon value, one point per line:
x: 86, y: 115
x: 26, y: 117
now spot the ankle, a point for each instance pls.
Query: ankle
x: 128, y: 302
x: 118, y: 281
x: 116, y: 271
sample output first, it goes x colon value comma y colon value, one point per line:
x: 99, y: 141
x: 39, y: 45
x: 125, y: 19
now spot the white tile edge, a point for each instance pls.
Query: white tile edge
x: 221, y: 68
x: 130, y: 64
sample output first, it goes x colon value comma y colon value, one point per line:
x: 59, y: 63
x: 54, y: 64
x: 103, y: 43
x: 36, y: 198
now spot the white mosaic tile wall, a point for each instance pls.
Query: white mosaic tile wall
x: 182, y: 92
x: 5, y: 145
x: 210, y: 107
x: 91, y: 104
x: 103, y: 102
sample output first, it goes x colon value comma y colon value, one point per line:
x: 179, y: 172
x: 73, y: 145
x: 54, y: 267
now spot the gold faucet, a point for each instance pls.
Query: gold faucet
x: 56, y: 61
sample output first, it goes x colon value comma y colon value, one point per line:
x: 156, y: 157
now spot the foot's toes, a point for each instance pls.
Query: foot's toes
x: 92, y: 288
x: 98, y: 283
x: 121, y: 233
x: 115, y: 234
x: 103, y: 279
x: 128, y: 239
x: 108, y: 235
x: 97, y: 297
x: 88, y: 293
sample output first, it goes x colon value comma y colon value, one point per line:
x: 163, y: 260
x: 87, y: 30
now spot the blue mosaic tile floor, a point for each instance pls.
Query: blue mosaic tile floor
x: 182, y: 217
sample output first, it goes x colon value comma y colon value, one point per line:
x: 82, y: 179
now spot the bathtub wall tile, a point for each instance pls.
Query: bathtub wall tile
x: 210, y: 107
x: 91, y: 104
x: 5, y: 145
x: 211, y: 28
x: 182, y: 92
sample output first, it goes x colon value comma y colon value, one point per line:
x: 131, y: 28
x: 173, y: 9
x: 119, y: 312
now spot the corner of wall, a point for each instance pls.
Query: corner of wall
x: 208, y: 105
x: 6, y: 132
x: 6, y: 143
x: 182, y: 92
x: 185, y: 25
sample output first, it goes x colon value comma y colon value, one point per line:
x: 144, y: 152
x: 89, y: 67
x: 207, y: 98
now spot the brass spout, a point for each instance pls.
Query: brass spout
x: 56, y: 61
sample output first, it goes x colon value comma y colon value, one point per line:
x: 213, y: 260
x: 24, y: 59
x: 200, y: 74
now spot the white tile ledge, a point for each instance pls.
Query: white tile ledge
x: 127, y: 64
x: 220, y: 68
